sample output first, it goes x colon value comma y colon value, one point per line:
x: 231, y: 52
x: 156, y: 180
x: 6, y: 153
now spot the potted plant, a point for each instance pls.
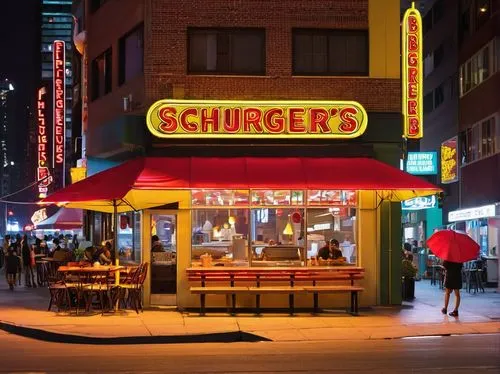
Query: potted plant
x: 408, y: 274
x: 79, y: 254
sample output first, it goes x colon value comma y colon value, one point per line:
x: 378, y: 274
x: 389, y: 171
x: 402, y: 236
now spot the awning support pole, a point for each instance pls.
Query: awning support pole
x: 115, y: 231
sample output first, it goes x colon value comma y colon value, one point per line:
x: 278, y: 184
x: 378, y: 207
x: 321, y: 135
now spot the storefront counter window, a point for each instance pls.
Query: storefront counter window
x: 271, y: 227
x: 221, y: 234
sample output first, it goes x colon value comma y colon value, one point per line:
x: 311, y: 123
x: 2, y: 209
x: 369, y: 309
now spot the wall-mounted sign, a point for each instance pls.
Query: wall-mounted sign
x: 421, y: 163
x: 42, y: 174
x: 449, y: 161
x: 419, y: 203
x: 59, y: 129
x: 472, y: 213
x: 412, y: 74
x: 39, y: 216
x: 256, y: 119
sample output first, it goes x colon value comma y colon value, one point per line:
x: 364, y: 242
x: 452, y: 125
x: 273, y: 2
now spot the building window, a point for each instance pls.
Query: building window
x: 131, y: 59
x: 482, y: 139
x: 429, y: 102
x: 330, y: 52
x: 479, y: 67
x: 438, y: 55
x: 438, y: 96
x: 96, y: 4
x: 226, y: 51
x: 101, y: 75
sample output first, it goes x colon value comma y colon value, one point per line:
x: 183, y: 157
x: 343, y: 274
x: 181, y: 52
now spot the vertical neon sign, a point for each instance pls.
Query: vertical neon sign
x: 42, y: 174
x: 412, y: 73
x: 59, y: 130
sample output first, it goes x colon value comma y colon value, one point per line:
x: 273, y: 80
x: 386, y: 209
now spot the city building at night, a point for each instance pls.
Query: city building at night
x: 222, y: 91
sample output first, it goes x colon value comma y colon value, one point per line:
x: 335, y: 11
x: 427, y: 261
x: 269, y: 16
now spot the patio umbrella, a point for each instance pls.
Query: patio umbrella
x: 453, y: 246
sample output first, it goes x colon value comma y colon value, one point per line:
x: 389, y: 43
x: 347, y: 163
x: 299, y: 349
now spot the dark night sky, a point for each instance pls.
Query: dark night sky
x: 19, y: 40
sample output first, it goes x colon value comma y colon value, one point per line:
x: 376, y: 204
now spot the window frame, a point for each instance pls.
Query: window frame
x: 108, y: 85
x: 330, y: 32
x: 260, y: 32
x: 122, y: 79
x: 474, y: 139
x: 470, y: 76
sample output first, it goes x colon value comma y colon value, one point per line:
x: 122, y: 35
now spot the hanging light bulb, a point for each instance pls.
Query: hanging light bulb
x: 231, y: 220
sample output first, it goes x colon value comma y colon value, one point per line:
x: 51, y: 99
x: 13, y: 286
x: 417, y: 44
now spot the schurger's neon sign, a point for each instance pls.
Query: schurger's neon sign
x: 59, y: 58
x: 412, y: 74
x: 256, y: 119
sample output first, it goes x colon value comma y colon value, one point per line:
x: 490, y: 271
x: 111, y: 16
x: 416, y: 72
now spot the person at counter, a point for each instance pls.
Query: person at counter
x: 330, y: 251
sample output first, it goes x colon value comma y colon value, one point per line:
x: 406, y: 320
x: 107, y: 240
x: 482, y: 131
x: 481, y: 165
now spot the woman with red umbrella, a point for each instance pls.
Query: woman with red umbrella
x: 452, y: 282
x: 454, y: 248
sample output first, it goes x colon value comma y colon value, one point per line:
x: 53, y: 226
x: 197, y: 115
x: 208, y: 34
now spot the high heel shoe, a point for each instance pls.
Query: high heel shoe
x: 454, y: 313
x: 444, y: 311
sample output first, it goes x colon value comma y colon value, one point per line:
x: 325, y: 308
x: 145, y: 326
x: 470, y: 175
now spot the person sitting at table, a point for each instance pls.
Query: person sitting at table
x: 101, y: 256
x: 324, y: 253
x: 60, y: 254
x: 335, y: 250
x: 88, y: 254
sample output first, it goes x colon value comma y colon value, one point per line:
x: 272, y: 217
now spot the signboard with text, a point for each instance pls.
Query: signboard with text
x: 256, y: 119
x: 419, y: 203
x: 449, y: 161
x: 43, y: 174
x: 412, y: 74
x: 59, y: 128
x: 422, y: 163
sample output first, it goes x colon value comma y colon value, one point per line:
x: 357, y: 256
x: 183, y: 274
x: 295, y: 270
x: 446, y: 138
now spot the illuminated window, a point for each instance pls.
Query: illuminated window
x: 330, y: 52
x: 226, y: 51
x: 479, y: 67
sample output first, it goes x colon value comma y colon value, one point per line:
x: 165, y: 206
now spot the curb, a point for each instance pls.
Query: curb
x: 54, y: 337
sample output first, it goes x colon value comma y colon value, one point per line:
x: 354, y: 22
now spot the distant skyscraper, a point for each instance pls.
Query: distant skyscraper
x: 57, y: 23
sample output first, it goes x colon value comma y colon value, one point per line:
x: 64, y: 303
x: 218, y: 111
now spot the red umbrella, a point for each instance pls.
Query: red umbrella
x: 453, y: 246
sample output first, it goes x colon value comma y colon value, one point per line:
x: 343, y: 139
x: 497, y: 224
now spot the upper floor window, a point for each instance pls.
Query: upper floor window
x: 479, y: 67
x: 330, y: 52
x: 131, y: 58
x: 482, y: 140
x: 96, y: 4
x: 101, y: 74
x: 226, y: 51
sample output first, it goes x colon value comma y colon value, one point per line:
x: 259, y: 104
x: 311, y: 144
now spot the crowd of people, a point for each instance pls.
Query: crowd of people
x: 19, y: 254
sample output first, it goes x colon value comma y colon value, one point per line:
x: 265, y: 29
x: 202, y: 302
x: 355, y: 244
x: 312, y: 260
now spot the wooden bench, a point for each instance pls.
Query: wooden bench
x: 313, y: 280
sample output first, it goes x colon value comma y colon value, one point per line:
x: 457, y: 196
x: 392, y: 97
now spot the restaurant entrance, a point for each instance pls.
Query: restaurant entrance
x: 163, y: 258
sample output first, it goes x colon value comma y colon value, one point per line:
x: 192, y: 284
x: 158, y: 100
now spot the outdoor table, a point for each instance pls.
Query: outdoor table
x: 93, y: 271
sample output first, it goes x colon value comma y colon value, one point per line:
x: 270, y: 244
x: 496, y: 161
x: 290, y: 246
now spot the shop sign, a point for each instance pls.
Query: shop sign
x: 419, y: 203
x: 78, y: 174
x: 421, y: 163
x: 256, y: 119
x: 472, y: 213
x: 412, y: 74
x: 59, y: 66
x: 449, y: 161
x: 42, y: 174
x: 39, y: 216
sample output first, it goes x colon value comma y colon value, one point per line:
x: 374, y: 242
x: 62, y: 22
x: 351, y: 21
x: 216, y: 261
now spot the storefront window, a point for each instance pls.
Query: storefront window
x: 129, y: 237
x: 277, y: 197
x: 331, y: 197
x: 277, y: 236
x: 337, y: 223
x: 221, y: 234
x: 220, y: 197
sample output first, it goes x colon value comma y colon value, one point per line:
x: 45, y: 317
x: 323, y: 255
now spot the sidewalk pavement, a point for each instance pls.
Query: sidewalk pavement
x: 24, y: 312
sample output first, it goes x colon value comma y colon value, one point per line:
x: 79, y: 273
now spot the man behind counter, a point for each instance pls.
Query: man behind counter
x: 331, y: 250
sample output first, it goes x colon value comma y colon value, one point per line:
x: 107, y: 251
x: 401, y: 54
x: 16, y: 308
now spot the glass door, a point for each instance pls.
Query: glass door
x: 163, y: 259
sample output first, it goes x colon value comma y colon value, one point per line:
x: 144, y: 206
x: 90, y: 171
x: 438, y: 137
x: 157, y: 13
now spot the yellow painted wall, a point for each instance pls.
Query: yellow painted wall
x: 384, y: 34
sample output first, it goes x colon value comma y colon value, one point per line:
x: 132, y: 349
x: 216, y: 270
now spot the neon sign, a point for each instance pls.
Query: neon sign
x: 419, y: 203
x: 256, y: 119
x: 43, y: 174
x: 449, y: 161
x: 412, y: 73
x: 421, y: 163
x: 59, y: 58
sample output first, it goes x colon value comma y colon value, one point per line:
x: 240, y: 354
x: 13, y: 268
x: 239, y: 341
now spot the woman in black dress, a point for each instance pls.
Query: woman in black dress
x: 452, y: 282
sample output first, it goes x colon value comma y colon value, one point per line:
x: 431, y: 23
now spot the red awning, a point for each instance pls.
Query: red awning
x: 63, y: 219
x: 162, y: 173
